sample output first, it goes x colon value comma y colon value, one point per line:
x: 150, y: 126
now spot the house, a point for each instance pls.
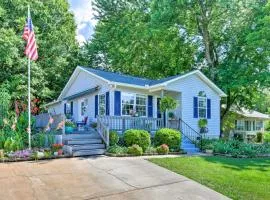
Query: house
x: 249, y: 123
x: 94, y: 93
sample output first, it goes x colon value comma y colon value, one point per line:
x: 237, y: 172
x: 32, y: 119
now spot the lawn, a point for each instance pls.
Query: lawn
x: 235, y: 178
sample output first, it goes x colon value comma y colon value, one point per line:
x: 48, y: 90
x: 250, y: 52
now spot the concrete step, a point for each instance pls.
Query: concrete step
x: 188, y: 146
x: 89, y: 152
x: 83, y: 142
x: 81, y: 136
x: 87, y: 147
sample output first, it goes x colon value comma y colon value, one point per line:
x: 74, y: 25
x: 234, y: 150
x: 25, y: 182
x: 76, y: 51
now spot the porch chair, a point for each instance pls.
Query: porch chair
x: 82, y: 123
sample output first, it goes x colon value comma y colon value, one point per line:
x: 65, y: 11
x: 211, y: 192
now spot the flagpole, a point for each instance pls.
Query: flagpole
x: 29, y: 93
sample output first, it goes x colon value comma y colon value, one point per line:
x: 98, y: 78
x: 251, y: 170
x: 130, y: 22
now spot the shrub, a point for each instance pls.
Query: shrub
x: 135, y: 150
x: 168, y: 136
x: 163, y: 149
x: 237, y: 148
x: 151, y: 150
x: 266, y: 137
x: 139, y: 137
x: 259, y: 137
x: 117, y: 149
x: 114, y: 138
x: 207, y: 143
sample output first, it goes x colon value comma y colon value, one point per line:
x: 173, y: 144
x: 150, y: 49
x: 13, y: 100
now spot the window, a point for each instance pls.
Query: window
x: 84, y: 105
x: 102, y: 104
x: 259, y: 125
x: 68, y: 108
x: 202, y: 104
x: 133, y: 104
x: 248, y: 125
x: 239, y: 125
x: 141, y: 105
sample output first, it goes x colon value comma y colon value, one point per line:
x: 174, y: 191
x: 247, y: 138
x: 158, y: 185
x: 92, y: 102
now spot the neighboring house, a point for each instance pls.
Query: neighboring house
x: 250, y: 122
x: 91, y: 93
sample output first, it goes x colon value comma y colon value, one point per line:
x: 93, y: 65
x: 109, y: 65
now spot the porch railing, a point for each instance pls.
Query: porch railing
x: 190, y: 133
x: 122, y: 123
x: 104, y: 131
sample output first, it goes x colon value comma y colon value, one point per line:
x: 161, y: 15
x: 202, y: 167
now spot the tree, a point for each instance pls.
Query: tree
x: 125, y: 40
x: 227, y: 40
x: 57, y: 48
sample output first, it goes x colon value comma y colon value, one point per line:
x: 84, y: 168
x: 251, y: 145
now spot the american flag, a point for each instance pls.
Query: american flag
x: 29, y: 37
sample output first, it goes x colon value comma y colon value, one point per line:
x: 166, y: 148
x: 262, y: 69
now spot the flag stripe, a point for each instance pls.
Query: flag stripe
x: 29, y: 36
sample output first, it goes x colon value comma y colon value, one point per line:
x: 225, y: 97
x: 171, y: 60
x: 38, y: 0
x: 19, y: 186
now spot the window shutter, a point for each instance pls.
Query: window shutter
x: 150, y: 106
x: 71, y: 107
x: 117, y: 103
x: 208, y: 108
x: 65, y: 108
x: 96, y: 105
x: 195, y: 107
x: 107, y: 103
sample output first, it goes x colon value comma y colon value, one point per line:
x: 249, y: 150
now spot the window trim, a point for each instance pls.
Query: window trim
x: 135, y: 103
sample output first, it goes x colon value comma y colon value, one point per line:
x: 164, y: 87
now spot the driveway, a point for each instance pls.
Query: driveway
x: 97, y: 178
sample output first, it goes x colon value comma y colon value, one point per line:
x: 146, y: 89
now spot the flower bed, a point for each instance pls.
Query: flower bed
x: 138, y: 143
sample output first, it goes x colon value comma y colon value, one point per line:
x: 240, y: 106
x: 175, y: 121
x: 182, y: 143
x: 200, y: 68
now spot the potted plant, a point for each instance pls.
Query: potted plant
x: 57, y: 149
x: 69, y: 126
x: 171, y: 115
x: 203, y: 125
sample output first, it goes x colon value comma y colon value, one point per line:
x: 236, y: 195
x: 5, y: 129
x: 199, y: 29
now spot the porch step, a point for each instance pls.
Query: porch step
x: 87, y: 147
x: 84, y: 144
x: 188, y: 146
x: 89, y: 152
x: 83, y: 141
x: 81, y: 136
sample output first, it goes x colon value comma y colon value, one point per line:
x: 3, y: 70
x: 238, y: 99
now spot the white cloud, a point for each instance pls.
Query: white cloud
x: 84, y: 18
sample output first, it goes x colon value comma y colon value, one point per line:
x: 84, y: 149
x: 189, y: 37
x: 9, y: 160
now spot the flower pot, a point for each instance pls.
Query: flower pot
x: 69, y: 129
x: 60, y: 152
x: 55, y: 153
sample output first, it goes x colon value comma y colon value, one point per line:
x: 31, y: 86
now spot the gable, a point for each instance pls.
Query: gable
x: 193, y: 83
x: 81, y: 81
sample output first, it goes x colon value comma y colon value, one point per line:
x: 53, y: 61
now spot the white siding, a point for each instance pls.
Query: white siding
x: 189, y: 88
x: 56, y: 109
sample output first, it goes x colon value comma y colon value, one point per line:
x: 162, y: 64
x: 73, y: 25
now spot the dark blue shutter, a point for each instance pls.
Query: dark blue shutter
x: 150, y: 106
x: 71, y: 107
x: 195, y: 107
x: 158, y: 108
x: 96, y: 105
x: 65, y: 108
x: 107, y: 103
x: 117, y: 103
x: 208, y: 108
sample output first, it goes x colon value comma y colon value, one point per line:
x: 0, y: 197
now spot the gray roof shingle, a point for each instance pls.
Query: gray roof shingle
x: 122, y: 78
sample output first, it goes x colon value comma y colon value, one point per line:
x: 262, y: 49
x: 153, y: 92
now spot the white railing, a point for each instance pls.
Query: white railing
x: 122, y: 123
x: 104, y: 131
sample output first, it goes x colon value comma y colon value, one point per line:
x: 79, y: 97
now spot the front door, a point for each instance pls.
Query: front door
x: 83, y: 103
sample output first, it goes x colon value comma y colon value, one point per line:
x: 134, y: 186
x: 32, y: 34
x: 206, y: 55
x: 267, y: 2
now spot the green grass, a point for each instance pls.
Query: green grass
x: 235, y: 178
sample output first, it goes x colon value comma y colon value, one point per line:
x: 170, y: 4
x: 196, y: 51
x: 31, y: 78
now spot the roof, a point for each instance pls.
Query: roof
x: 89, y: 91
x: 122, y: 78
x: 253, y: 114
x: 117, y: 78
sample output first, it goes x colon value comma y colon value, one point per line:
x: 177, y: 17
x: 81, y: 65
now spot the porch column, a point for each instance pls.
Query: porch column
x: 165, y: 114
x: 64, y: 117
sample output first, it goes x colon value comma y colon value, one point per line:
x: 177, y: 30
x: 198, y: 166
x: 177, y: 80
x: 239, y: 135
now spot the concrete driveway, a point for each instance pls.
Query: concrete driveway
x: 97, y: 178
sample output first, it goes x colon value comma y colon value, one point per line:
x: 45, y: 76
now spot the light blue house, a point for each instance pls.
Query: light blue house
x: 114, y: 99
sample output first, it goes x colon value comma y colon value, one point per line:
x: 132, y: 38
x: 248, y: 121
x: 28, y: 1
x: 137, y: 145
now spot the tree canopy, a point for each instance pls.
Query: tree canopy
x: 228, y: 40
x: 54, y: 28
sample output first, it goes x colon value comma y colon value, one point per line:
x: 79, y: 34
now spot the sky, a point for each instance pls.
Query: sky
x: 83, y: 13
